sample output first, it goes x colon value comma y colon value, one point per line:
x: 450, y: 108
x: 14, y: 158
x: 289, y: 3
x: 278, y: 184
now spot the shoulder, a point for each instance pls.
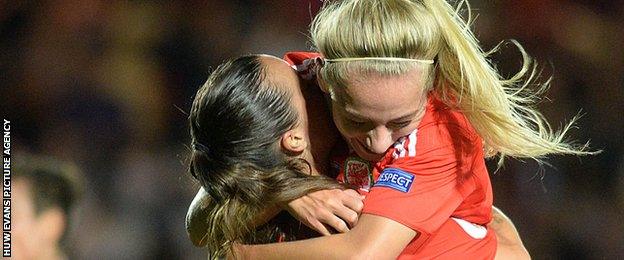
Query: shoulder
x: 445, y: 125
x: 439, y: 113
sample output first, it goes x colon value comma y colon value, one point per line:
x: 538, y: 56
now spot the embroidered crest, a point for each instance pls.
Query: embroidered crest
x: 396, y: 179
x: 358, y: 172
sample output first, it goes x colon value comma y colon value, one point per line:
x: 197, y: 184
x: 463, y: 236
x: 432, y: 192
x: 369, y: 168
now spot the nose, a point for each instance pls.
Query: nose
x: 379, y: 139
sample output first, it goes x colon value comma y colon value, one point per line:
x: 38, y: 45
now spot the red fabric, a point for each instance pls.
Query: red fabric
x: 452, y: 242
x: 451, y: 178
x: 297, y: 58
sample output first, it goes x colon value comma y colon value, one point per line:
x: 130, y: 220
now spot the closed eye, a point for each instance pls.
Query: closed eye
x: 355, y: 122
x: 397, y: 125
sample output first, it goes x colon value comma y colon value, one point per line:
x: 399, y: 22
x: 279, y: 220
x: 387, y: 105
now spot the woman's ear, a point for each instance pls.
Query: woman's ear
x: 294, y: 142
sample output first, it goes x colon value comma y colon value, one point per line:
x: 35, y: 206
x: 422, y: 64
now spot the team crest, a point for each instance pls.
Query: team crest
x: 358, y: 172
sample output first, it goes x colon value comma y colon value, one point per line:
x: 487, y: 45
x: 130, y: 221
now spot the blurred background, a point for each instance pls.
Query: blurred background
x: 107, y: 85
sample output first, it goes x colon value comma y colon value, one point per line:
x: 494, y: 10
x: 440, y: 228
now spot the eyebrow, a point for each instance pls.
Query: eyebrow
x: 354, y: 115
x: 406, y: 117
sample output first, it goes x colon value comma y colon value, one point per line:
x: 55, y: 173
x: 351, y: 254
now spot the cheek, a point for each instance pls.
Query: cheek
x: 397, y: 134
x: 342, y: 127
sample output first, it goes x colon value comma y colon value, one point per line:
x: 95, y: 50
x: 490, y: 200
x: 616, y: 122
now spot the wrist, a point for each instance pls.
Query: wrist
x: 266, y: 215
x: 239, y: 251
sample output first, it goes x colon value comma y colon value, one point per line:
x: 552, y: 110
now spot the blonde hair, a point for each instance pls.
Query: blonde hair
x: 501, y: 110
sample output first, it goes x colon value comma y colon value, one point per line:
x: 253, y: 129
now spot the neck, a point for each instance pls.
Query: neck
x: 313, y: 159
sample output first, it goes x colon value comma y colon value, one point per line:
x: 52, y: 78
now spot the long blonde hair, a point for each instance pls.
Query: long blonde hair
x: 501, y: 110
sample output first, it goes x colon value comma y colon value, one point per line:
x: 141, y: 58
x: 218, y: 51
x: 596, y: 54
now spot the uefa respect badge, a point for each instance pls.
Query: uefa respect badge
x: 358, y: 172
x: 396, y: 179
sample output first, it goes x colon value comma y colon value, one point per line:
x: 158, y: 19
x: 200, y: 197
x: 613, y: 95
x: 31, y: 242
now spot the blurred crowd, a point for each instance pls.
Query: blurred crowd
x: 108, y: 85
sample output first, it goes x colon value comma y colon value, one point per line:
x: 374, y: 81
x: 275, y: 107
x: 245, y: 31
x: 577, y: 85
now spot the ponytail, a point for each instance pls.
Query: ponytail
x: 239, y: 197
x: 501, y: 110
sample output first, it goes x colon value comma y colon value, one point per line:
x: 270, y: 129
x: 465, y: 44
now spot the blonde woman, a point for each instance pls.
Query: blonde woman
x: 410, y: 75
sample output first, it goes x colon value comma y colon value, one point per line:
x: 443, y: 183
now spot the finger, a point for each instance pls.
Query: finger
x: 340, y: 208
x: 348, y: 215
x: 352, y: 193
x: 354, y: 203
x: 338, y: 224
x: 319, y: 227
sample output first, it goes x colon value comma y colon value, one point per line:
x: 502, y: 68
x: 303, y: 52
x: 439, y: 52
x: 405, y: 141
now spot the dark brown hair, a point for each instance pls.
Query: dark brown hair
x: 236, y: 122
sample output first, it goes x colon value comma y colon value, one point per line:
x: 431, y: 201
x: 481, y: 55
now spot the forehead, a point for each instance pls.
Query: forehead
x: 383, y: 97
x: 280, y: 73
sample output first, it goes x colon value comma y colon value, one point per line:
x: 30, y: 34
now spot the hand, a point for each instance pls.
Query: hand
x: 336, y: 208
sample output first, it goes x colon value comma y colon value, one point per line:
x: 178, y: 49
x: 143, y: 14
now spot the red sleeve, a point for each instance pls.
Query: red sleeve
x: 421, y: 189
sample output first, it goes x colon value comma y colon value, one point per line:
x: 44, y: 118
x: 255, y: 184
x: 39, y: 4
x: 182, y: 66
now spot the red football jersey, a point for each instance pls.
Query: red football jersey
x: 433, y: 181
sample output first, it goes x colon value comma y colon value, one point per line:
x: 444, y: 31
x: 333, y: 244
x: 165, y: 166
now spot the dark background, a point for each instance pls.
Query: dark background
x: 106, y: 84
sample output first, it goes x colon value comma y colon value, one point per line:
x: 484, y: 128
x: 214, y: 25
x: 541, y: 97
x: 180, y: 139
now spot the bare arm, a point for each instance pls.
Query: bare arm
x: 509, y: 243
x: 336, y: 208
x: 381, y: 239
x: 373, y: 238
x: 197, y: 215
